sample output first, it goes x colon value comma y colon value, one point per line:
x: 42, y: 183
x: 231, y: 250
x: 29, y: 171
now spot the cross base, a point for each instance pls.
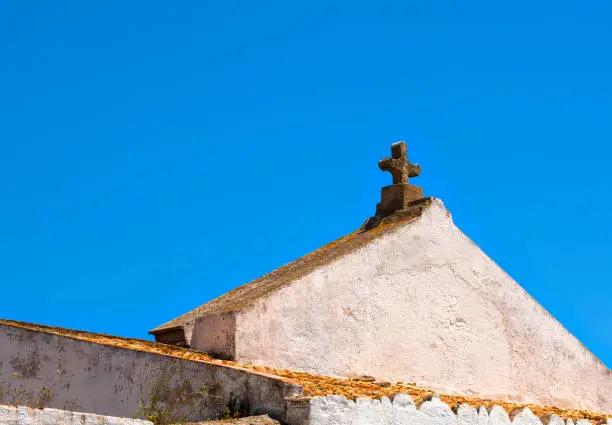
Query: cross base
x: 397, y: 197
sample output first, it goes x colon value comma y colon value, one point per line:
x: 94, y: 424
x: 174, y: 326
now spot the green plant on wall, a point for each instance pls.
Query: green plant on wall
x: 19, y: 396
x: 166, y: 399
x: 229, y: 413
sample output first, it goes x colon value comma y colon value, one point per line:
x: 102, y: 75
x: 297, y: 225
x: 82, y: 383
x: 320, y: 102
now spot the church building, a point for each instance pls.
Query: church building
x: 404, y: 321
x: 406, y: 297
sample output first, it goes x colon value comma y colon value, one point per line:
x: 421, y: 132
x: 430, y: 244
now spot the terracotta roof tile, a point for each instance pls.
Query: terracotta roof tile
x: 250, y: 420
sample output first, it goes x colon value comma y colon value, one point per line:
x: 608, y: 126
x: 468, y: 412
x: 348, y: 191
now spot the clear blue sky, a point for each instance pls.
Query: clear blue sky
x: 154, y: 155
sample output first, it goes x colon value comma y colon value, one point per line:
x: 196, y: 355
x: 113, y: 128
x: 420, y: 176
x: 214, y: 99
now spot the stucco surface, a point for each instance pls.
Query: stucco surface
x: 214, y: 334
x: 424, y: 304
x: 46, y: 370
x: 22, y: 415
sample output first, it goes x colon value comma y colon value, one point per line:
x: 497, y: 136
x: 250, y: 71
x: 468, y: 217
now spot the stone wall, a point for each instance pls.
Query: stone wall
x: 22, y: 415
x: 337, y: 410
x: 39, y: 369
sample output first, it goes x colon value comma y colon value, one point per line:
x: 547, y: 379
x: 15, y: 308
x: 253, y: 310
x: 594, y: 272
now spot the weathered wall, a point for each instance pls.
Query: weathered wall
x: 424, y: 304
x: 22, y: 415
x: 214, y: 334
x: 45, y: 370
x: 337, y: 410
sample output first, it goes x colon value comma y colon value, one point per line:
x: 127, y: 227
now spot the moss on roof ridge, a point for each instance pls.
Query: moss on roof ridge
x: 247, y: 294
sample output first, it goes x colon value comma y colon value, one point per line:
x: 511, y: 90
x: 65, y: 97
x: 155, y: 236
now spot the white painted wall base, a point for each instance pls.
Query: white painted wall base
x: 337, y: 410
x: 329, y: 410
x: 21, y: 415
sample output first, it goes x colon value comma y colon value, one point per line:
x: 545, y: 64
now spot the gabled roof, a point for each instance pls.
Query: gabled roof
x: 246, y: 295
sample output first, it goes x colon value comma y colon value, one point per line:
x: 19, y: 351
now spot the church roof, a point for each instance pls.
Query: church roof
x: 247, y: 294
x: 313, y: 385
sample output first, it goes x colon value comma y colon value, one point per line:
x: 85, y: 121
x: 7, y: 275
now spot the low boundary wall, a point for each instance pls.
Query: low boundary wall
x: 45, y: 370
x: 39, y: 369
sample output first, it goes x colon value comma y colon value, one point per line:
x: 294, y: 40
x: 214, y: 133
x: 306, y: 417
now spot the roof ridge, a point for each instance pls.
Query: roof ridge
x: 248, y: 293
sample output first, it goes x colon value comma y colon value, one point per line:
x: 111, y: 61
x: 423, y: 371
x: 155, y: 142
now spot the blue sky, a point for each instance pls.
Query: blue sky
x: 154, y: 155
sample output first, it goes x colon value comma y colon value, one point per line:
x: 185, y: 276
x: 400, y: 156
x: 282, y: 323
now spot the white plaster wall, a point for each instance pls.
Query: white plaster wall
x: 214, y: 334
x: 424, y: 304
x: 337, y: 410
x: 38, y: 369
x: 22, y: 415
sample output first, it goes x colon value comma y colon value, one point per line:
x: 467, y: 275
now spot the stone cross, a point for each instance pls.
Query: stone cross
x: 398, y: 165
x: 400, y: 195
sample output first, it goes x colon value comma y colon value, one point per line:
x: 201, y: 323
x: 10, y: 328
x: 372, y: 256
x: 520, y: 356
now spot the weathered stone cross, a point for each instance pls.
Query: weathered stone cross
x: 400, y: 194
x: 398, y: 165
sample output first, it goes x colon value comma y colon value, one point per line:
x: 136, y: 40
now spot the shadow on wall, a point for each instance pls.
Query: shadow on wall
x: 161, y: 400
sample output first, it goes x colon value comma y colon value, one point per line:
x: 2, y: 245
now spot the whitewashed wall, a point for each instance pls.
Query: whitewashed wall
x: 424, y: 304
x: 337, y: 410
x: 329, y: 410
x: 21, y: 415
x: 38, y: 369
